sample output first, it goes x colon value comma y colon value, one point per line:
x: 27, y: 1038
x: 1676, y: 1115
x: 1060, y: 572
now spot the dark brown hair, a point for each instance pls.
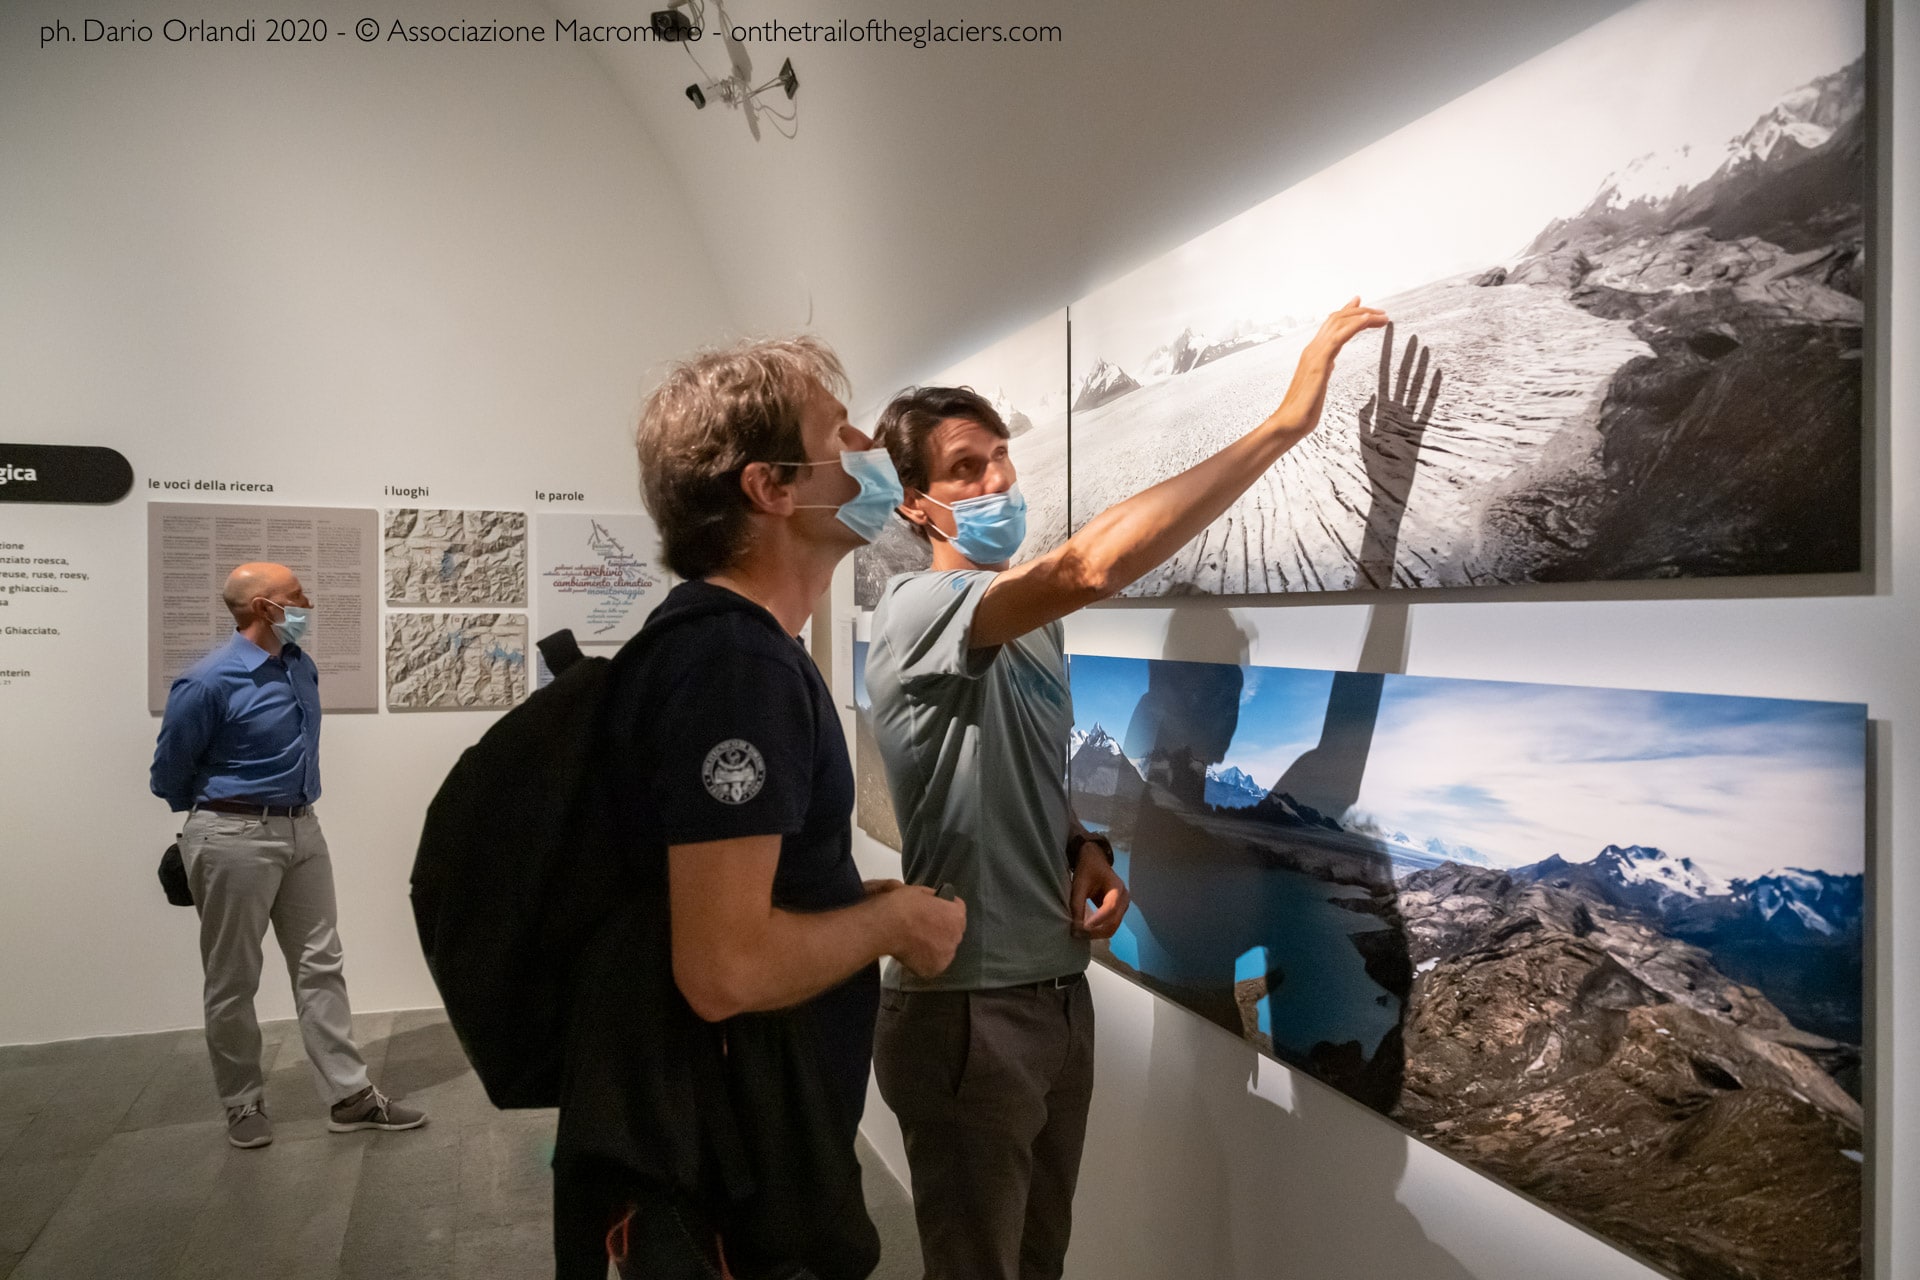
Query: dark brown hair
x: 909, y: 420
x: 707, y: 420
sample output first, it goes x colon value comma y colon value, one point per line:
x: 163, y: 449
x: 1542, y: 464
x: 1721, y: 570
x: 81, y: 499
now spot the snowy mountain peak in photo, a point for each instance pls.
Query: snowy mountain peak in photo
x: 1803, y: 120
x: 1794, y: 902
x: 1175, y: 357
x: 1761, y: 141
x: 1658, y: 176
x: 1635, y: 876
x: 1639, y: 865
x: 1825, y: 903
x: 1231, y: 788
x: 1097, y: 740
x: 1464, y: 854
x: 1017, y: 422
x: 1106, y: 381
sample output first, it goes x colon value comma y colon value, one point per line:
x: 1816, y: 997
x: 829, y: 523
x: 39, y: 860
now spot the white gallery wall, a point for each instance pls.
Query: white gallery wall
x: 454, y: 268
x: 329, y: 269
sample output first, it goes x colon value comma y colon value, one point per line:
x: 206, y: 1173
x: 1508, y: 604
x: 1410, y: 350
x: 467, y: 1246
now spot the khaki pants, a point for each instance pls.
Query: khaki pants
x: 247, y: 872
x: 991, y: 1089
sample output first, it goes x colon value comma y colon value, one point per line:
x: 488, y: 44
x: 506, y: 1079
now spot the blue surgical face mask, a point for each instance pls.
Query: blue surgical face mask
x: 292, y: 624
x: 866, y: 512
x: 987, y: 529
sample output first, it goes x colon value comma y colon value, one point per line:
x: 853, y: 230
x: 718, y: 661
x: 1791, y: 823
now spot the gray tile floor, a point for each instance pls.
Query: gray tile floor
x: 114, y: 1163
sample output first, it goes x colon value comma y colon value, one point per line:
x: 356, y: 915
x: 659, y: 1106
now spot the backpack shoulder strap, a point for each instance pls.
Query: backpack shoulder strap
x: 560, y: 650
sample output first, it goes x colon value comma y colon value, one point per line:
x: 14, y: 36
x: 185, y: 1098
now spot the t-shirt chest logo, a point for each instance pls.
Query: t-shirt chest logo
x: 734, y: 771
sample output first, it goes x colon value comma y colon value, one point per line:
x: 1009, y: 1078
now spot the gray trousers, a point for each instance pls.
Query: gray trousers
x: 991, y: 1089
x: 247, y: 871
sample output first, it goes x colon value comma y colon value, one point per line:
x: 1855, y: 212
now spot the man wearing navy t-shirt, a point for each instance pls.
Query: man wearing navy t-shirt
x: 239, y: 752
x: 759, y: 487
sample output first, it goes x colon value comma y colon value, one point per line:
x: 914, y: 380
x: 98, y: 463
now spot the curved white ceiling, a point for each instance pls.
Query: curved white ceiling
x: 933, y: 200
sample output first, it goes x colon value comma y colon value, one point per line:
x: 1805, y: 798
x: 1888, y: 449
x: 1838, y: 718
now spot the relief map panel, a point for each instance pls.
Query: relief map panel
x: 456, y: 557
x: 456, y: 661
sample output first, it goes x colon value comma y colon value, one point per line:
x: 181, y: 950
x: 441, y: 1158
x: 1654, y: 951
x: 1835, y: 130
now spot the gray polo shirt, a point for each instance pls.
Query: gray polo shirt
x: 975, y: 745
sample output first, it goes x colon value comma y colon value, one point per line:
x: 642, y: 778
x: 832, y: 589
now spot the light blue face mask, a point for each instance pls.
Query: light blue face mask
x: 866, y: 512
x: 293, y: 622
x: 987, y: 529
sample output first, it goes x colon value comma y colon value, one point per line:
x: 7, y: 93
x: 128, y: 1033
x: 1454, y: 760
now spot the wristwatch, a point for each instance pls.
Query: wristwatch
x: 1080, y: 838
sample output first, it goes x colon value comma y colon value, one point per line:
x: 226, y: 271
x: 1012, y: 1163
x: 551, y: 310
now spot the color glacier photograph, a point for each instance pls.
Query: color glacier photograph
x: 1603, y: 945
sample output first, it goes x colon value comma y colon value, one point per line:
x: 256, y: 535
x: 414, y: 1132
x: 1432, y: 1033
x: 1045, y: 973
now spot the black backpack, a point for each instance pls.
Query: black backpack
x: 516, y: 867
x: 544, y: 932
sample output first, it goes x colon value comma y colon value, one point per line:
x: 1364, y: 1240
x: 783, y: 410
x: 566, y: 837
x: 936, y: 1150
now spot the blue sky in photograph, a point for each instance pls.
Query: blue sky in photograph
x: 1105, y: 691
x: 1743, y: 786
x: 1281, y: 709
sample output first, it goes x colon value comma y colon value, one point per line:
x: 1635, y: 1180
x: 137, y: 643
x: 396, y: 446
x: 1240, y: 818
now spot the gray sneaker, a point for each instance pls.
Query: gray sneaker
x: 247, y: 1127
x: 372, y: 1109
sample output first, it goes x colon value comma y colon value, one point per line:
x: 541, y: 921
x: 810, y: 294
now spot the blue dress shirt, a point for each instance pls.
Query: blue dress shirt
x: 241, y: 724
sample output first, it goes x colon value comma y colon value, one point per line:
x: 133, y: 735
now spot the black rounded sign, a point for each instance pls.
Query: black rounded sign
x: 63, y: 473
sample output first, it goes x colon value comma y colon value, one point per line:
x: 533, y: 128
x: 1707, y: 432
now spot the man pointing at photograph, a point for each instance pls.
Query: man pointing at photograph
x: 989, y: 1066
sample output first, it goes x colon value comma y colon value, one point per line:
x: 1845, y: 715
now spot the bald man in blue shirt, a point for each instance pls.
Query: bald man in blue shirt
x: 239, y: 752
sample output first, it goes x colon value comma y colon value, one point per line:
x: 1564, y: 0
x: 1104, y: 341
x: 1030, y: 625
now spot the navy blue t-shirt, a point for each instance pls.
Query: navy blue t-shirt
x: 745, y: 741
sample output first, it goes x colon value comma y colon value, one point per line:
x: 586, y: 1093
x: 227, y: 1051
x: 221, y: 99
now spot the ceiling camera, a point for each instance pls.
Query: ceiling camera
x: 672, y: 25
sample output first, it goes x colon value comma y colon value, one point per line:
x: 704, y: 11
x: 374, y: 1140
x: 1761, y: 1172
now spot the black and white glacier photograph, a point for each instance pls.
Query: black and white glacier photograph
x: 1024, y: 377
x: 1625, y: 283
x: 1603, y: 945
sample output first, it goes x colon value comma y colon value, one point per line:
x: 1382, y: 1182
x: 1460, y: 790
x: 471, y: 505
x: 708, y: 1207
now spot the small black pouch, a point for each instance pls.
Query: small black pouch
x: 173, y: 877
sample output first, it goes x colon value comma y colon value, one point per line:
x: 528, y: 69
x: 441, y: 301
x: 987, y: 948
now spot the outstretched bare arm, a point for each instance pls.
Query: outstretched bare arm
x: 1123, y: 542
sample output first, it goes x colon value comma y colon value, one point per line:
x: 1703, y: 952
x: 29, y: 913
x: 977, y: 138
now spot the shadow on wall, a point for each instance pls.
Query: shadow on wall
x: 1247, y: 1188
x: 1201, y: 1175
x: 1195, y: 1174
x: 1267, y: 919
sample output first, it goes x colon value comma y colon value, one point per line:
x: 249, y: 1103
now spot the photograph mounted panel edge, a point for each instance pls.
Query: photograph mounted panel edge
x: 873, y: 799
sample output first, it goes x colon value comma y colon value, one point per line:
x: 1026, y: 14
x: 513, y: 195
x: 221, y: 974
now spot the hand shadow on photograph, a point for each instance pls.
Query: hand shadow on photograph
x: 1393, y: 423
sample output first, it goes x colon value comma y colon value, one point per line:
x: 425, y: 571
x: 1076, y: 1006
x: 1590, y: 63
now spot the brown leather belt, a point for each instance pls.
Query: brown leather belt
x: 257, y: 810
